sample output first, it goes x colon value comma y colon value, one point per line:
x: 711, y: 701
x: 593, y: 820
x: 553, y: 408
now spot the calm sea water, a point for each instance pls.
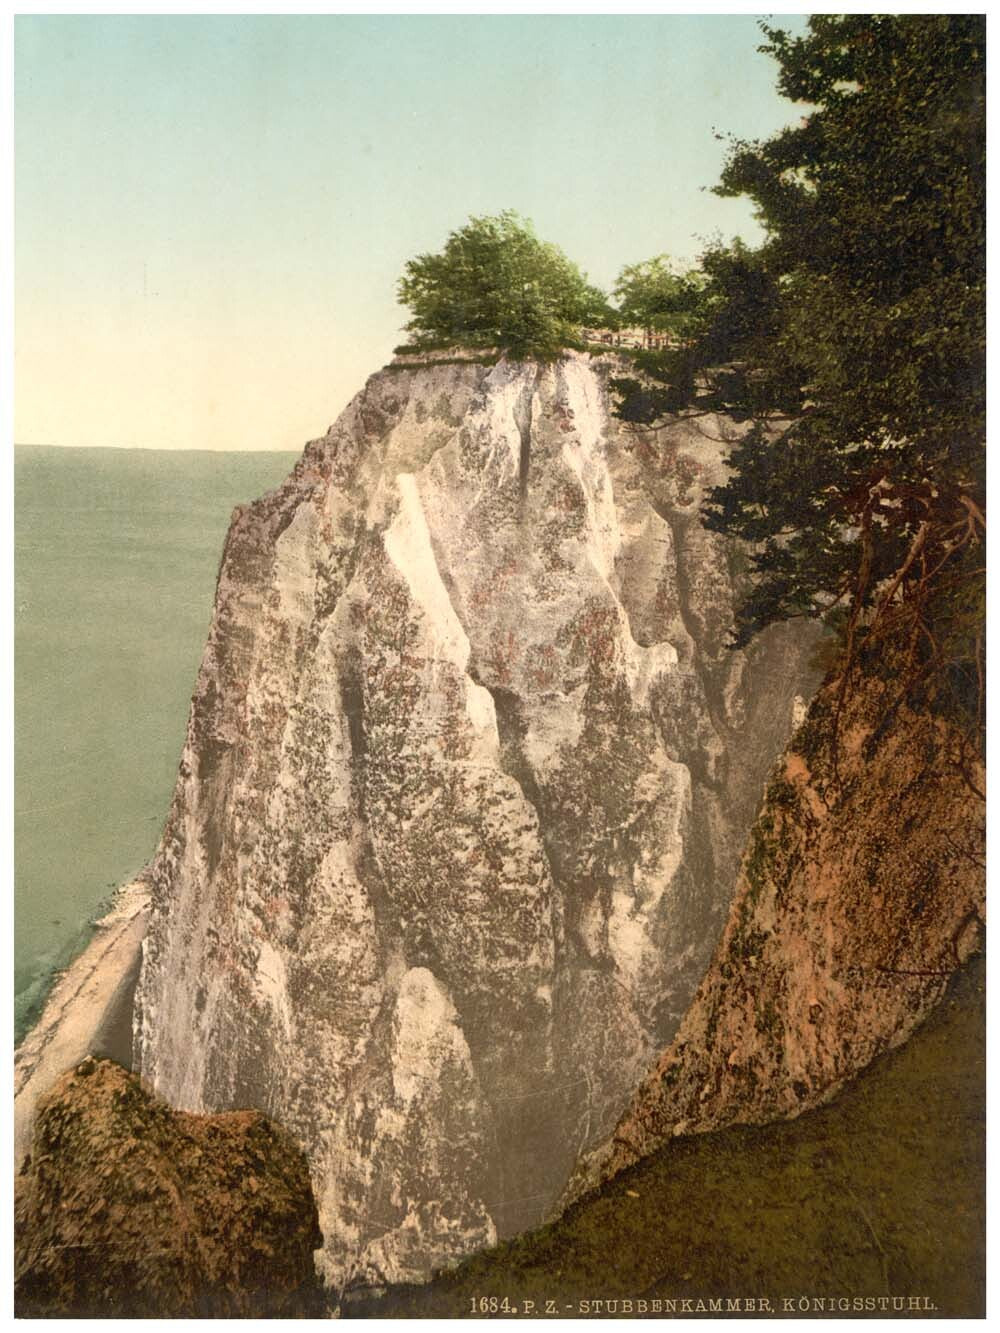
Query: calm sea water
x: 116, y: 555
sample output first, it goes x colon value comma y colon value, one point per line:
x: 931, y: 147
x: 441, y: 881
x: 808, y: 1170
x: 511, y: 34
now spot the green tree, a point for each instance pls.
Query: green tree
x: 728, y: 357
x: 495, y: 284
x: 655, y: 296
x: 861, y: 483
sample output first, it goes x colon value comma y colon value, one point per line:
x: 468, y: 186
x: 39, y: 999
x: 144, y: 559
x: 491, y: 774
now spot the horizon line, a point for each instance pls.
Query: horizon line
x: 148, y: 448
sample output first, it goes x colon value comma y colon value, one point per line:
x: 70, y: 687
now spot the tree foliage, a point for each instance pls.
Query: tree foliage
x: 726, y: 318
x: 495, y: 284
x: 853, y: 338
x: 654, y: 295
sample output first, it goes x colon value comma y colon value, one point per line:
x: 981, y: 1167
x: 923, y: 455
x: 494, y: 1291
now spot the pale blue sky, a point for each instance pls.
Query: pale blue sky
x: 211, y: 213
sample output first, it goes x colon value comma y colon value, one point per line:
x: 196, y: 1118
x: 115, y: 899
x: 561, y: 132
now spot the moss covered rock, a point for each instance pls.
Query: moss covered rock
x: 125, y: 1207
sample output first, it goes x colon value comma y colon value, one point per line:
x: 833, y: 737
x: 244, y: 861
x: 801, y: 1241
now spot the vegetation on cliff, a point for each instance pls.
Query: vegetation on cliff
x: 496, y: 284
x: 853, y: 341
x: 654, y: 295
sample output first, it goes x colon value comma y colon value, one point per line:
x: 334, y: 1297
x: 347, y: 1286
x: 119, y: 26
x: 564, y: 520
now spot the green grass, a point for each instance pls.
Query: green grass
x: 605, y: 349
x: 487, y: 359
x: 490, y: 356
x: 881, y: 1193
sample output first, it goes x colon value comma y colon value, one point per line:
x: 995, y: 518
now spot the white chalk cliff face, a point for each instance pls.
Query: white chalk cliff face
x: 468, y: 772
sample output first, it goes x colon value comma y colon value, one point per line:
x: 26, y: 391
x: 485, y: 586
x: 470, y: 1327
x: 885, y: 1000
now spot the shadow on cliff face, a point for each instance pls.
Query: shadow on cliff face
x: 877, y: 1195
x: 126, y: 1208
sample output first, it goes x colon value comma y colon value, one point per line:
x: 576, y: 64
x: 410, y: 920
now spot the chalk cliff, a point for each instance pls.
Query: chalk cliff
x: 468, y: 772
x: 861, y: 893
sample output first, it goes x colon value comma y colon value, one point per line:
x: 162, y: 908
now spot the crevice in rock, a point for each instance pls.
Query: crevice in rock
x: 512, y: 729
x: 352, y: 702
x: 523, y: 414
x: 713, y: 699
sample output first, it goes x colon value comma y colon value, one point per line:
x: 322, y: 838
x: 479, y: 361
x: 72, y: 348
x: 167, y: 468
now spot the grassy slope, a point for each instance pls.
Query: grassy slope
x: 879, y: 1193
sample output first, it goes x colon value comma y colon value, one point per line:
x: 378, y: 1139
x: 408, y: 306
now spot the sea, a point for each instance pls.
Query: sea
x: 116, y: 553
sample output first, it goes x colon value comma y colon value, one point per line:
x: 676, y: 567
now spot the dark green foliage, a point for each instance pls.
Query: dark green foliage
x: 728, y: 357
x: 495, y: 284
x: 854, y: 338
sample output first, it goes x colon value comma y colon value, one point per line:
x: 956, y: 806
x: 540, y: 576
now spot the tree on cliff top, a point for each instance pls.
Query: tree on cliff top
x: 654, y: 295
x: 862, y: 482
x: 495, y: 284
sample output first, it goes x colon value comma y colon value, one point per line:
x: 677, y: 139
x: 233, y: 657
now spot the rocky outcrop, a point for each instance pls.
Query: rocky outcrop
x: 126, y: 1208
x: 468, y: 771
x: 861, y: 894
